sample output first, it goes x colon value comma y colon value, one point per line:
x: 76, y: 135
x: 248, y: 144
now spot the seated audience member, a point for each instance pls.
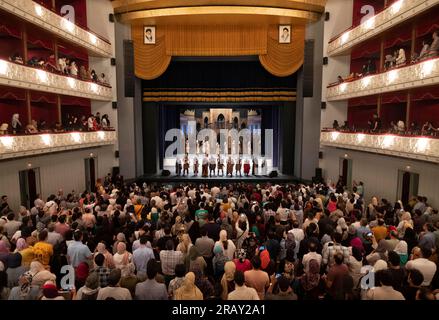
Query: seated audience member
x: 434, y: 47
x: 401, y: 59
x: 424, y: 51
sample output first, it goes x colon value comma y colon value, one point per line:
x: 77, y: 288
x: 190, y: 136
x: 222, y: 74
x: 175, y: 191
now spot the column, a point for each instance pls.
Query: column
x: 58, y: 108
x: 408, y: 109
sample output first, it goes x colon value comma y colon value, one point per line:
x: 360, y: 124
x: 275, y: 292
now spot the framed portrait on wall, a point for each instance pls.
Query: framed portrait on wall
x: 284, y: 33
x: 149, y: 34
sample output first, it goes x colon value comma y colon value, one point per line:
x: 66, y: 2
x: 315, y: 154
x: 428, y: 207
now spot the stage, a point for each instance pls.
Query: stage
x: 281, y: 178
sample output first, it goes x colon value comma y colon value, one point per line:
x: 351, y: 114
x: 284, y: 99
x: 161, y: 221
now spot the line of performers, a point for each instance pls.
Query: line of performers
x: 211, y: 165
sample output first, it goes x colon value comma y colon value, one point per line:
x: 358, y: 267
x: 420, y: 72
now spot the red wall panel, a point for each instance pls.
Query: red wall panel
x: 358, y: 116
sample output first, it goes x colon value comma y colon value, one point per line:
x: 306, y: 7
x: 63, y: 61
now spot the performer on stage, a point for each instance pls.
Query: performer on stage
x: 186, y: 165
x: 212, y: 166
x: 246, y: 167
x: 255, y: 166
x: 264, y: 167
x: 178, y: 166
x: 238, y: 168
x: 230, y: 167
x: 195, y: 166
x: 220, y: 166
x: 205, y: 166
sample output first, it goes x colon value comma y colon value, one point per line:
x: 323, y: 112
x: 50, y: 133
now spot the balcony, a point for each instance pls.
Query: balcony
x: 31, y: 145
x: 398, y: 12
x: 417, y: 75
x: 17, y: 75
x: 412, y: 147
x: 56, y: 24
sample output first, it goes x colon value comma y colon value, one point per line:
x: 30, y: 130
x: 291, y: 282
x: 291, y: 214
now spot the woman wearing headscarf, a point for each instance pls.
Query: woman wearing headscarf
x: 355, y: 264
x: 195, y: 258
x: 185, y: 244
x: 4, y: 288
x: 4, y: 252
x: 123, y: 259
x: 402, y: 249
x: 242, y: 263
x: 227, y: 245
x: 26, y: 289
x: 188, y: 291
x: 227, y: 281
x: 202, y: 282
x: 16, y: 125
x: 342, y: 228
x: 219, y: 260
x: 380, y: 253
x: 91, y: 288
x: 177, y: 227
x: 15, y: 269
x: 102, y: 249
x: 405, y: 223
x: 39, y: 274
x: 50, y: 291
x: 119, y: 238
x: 311, y: 282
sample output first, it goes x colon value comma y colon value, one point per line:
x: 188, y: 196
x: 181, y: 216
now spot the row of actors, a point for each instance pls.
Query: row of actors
x: 216, y: 164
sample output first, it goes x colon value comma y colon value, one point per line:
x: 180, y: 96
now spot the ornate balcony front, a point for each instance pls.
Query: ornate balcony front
x: 412, y: 147
x: 398, y: 12
x: 31, y: 145
x: 417, y: 75
x: 17, y: 75
x: 56, y: 24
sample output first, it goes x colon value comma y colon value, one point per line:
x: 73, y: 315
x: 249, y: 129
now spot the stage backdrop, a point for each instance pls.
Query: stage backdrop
x: 281, y: 60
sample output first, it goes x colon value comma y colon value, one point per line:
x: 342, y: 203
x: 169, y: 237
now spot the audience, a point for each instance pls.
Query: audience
x: 283, y: 258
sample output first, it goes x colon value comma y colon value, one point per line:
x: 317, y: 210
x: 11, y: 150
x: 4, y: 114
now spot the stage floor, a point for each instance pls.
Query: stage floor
x: 281, y: 178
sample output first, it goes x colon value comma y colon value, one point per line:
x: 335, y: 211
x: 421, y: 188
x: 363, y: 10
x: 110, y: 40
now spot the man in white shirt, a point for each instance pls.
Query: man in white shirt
x: 312, y: 254
x: 242, y: 292
x: 420, y: 262
x: 113, y: 290
x: 299, y: 235
x: 386, y: 291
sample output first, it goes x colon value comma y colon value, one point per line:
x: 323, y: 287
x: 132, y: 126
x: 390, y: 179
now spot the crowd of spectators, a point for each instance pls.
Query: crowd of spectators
x: 237, y: 241
x: 71, y: 123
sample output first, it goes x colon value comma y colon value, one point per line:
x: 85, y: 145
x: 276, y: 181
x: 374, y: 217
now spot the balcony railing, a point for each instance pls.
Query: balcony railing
x: 17, y: 75
x: 398, y: 12
x: 413, y: 147
x: 421, y: 74
x: 54, y: 23
x: 30, y: 145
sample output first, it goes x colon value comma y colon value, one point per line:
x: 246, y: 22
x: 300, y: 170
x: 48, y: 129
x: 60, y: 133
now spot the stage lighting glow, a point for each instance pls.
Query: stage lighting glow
x: 94, y: 87
x: 388, y: 141
x: 93, y: 38
x: 71, y: 82
x: 76, y: 137
x: 422, y: 144
x: 68, y: 25
x: 343, y: 87
x: 397, y: 6
x: 7, y: 142
x: 344, y: 37
x: 370, y: 23
x: 101, y: 135
x: 366, y: 81
x: 361, y: 137
x: 47, y: 139
x: 38, y: 10
x: 334, y: 135
x: 427, y: 67
x: 3, y: 67
x: 42, y: 75
x: 392, y: 76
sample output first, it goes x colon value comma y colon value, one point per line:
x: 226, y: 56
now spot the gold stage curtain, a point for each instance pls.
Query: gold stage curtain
x: 215, y: 40
x: 150, y: 60
x: 281, y: 60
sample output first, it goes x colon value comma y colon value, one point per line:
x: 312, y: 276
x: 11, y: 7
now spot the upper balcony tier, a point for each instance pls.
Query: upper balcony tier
x: 398, y: 12
x: 425, y: 73
x: 413, y: 147
x: 31, y: 145
x: 17, y: 75
x: 57, y: 25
